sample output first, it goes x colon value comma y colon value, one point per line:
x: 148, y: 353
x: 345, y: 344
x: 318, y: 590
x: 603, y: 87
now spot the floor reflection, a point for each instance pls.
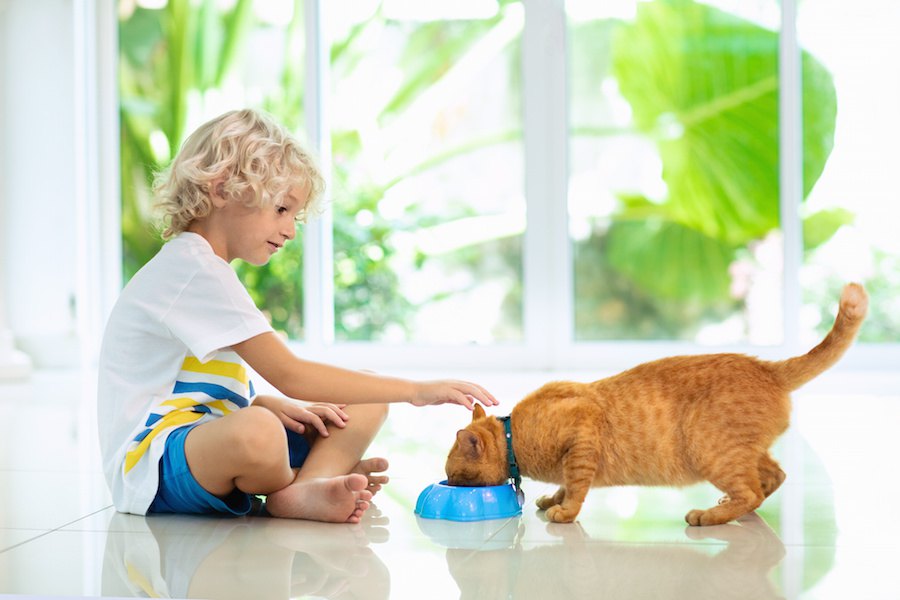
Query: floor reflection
x: 175, y: 556
x: 578, y: 566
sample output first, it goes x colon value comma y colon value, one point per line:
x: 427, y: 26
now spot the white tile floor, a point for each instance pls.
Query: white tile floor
x: 832, y: 531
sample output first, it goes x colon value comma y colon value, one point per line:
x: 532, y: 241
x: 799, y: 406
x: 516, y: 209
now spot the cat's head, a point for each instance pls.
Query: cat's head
x: 478, y: 456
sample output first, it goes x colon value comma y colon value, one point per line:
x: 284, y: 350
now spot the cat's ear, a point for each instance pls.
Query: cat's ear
x: 470, y: 444
x: 478, y: 413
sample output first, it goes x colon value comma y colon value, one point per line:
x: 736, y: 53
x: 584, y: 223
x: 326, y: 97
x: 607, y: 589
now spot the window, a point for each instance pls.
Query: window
x: 182, y: 63
x: 534, y: 180
x: 429, y: 208
x: 674, y: 179
x: 858, y: 187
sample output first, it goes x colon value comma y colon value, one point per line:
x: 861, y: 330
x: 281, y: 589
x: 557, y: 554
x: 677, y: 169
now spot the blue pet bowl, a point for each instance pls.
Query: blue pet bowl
x: 460, y: 503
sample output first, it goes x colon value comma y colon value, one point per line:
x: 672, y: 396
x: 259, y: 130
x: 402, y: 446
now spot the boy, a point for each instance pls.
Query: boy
x: 178, y: 432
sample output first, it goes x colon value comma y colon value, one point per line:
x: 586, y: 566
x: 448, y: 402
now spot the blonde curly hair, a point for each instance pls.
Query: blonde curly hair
x: 245, y: 150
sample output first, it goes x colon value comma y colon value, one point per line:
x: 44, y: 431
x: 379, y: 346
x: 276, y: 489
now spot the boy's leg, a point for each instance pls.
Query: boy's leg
x: 334, y: 457
x: 247, y: 449
x: 342, y: 451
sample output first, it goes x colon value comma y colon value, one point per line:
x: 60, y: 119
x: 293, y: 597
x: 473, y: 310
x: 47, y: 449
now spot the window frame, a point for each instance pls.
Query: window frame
x: 548, y: 297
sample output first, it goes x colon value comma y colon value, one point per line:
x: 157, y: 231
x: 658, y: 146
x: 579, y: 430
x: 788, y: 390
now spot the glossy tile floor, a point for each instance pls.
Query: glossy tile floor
x: 832, y: 531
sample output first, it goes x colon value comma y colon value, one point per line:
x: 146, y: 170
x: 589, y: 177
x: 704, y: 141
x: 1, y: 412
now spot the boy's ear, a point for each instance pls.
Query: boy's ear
x: 478, y: 413
x: 470, y: 444
x: 216, y: 192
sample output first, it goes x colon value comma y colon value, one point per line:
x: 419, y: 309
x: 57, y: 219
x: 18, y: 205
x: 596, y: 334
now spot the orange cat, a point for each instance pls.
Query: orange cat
x: 674, y: 421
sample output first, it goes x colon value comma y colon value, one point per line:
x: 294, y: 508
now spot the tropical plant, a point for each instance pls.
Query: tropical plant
x: 703, y: 86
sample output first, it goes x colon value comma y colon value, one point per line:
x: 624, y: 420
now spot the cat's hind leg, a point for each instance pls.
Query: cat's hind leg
x: 770, y: 475
x: 737, y: 474
x: 545, y: 502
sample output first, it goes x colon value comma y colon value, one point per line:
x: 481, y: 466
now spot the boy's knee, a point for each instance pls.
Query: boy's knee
x: 372, y: 413
x: 260, y: 436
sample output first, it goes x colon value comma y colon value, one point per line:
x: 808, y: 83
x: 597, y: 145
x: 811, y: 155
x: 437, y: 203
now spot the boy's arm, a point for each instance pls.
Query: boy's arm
x: 317, y: 382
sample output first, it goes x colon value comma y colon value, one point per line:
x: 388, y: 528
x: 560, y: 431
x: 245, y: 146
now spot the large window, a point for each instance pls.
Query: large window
x: 859, y: 185
x: 674, y: 181
x: 428, y: 171
x: 182, y: 63
x: 537, y: 179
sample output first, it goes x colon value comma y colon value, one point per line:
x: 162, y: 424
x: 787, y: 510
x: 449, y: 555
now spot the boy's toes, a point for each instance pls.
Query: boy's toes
x: 367, y: 466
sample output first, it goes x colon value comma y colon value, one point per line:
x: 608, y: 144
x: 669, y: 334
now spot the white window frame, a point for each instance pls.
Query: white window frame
x: 549, y: 342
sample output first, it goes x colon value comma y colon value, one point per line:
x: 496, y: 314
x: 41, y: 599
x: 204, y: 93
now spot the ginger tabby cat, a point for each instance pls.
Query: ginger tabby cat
x: 674, y: 421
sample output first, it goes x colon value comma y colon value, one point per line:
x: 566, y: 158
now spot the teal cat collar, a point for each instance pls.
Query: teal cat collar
x: 511, y: 456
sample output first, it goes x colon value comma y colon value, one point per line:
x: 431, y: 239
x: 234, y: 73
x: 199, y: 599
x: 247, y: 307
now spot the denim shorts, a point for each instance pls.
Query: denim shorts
x: 179, y: 492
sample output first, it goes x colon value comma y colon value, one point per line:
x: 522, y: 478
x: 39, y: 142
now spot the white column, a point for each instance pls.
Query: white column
x: 13, y: 363
x: 39, y: 180
x: 318, y: 245
x: 790, y: 125
x: 548, y: 268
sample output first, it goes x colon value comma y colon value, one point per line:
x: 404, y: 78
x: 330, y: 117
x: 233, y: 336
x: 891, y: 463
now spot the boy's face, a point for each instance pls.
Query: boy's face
x: 255, y: 234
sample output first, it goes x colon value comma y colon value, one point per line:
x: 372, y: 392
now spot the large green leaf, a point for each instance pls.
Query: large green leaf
x: 704, y: 84
x: 819, y: 227
x: 654, y: 253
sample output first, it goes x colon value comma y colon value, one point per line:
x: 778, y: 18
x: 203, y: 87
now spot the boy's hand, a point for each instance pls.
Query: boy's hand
x: 297, y: 416
x: 454, y: 392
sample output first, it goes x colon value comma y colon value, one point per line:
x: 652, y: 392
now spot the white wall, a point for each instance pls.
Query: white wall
x: 37, y: 180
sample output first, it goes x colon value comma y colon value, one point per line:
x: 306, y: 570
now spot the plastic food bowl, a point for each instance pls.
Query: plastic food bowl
x: 460, y: 503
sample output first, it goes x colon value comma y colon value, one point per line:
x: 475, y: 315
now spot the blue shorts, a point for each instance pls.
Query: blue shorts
x: 179, y: 492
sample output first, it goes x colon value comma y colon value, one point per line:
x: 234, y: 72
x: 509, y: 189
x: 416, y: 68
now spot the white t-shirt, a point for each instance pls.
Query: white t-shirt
x: 164, y: 361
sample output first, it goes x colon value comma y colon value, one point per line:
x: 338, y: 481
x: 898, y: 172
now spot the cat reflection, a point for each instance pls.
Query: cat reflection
x: 580, y: 567
x: 176, y: 556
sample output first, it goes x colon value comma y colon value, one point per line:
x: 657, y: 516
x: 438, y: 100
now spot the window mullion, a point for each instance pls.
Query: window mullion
x: 318, y: 248
x: 791, y: 169
x: 547, y: 269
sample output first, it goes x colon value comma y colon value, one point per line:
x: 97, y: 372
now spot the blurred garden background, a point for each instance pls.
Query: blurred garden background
x: 674, y: 211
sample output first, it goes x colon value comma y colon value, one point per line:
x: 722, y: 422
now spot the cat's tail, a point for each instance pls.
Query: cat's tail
x: 800, y: 370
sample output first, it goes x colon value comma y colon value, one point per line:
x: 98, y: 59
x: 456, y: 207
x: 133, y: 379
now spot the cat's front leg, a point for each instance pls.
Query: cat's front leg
x: 545, y: 502
x: 579, y: 468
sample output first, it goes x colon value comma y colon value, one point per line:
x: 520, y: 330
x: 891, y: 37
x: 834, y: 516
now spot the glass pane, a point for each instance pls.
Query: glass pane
x: 852, y: 215
x: 429, y: 210
x: 183, y: 63
x: 674, y: 176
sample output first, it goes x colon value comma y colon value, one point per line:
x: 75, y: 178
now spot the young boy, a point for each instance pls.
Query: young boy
x: 181, y: 429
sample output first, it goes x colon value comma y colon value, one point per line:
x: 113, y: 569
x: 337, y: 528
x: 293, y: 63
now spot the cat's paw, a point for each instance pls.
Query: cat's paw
x: 558, y: 514
x: 695, y: 517
x: 545, y: 502
x: 707, y: 517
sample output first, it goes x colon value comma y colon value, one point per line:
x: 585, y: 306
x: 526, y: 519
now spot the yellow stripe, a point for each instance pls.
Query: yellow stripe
x: 216, y: 367
x: 186, y: 402
x: 172, y: 419
x: 182, y: 402
x: 221, y: 405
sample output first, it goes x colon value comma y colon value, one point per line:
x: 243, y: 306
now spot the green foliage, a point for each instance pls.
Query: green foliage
x: 703, y: 87
x: 367, y: 302
x: 165, y: 56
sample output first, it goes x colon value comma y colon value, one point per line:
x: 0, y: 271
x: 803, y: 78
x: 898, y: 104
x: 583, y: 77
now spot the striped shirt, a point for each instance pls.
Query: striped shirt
x: 166, y: 361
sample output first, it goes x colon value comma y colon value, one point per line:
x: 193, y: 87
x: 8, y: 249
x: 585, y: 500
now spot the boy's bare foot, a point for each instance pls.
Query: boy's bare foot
x: 341, y: 499
x: 367, y: 466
